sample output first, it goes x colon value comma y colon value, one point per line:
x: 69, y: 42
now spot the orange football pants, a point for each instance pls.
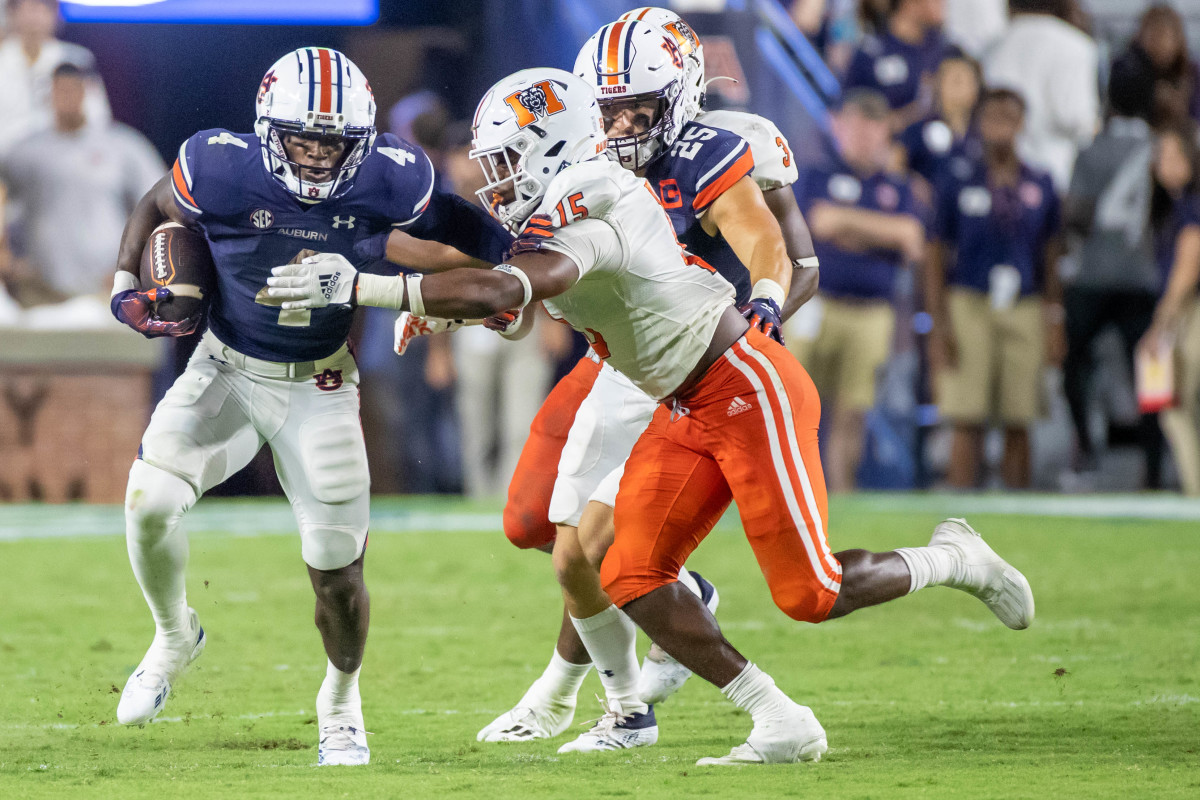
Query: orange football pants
x: 527, y: 511
x: 747, y: 432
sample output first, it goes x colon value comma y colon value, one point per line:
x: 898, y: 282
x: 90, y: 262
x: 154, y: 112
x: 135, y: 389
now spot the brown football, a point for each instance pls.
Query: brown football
x: 178, y: 258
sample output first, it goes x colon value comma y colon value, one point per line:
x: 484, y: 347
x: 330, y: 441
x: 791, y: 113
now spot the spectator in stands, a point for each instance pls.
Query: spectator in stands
x: 833, y: 28
x: 931, y: 144
x: 899, y: 61
x: 865, y: 228
x: 1107, y: 212
x: 28, y: 57
x: 75, y: 186
x: 1175, y: 216
x: 976, y: 25
x: 991, y: 285
x: 1054, y: 66
x: 1157, y: 61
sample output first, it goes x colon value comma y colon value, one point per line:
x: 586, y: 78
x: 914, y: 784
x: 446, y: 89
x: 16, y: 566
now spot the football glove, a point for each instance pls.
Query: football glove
x: 409, y: 326
x: 136, y: 309
x: 513, y: 324
x: 537, y: 230
x: 763, y: 313
x: 316, y: 282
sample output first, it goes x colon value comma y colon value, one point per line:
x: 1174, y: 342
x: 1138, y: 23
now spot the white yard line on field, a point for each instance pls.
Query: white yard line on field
x: 273, y: 517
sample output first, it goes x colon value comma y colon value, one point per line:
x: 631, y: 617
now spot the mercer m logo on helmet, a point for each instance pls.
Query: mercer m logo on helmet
x: 535, y: 102
x: 338, y: 222
x: 262, y: 218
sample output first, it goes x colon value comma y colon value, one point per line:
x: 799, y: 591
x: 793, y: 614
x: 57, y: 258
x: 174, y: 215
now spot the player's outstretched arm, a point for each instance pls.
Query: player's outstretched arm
x: 329, y: 278
x: 800, y: 250
x: 464, y: 226
x: 742, y: 216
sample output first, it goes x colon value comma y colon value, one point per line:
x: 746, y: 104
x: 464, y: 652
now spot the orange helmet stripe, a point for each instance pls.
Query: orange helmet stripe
x: 326, y: 80
x: 611, y: 65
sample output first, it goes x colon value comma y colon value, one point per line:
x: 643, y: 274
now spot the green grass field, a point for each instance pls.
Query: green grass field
x: 927, y: 697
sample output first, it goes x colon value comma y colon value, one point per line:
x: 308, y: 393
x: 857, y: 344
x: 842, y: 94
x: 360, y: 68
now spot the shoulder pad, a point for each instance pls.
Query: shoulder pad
x: 588, y: 190
x: 406, y: 175
x: 209, y: 170
x: 774, y: 165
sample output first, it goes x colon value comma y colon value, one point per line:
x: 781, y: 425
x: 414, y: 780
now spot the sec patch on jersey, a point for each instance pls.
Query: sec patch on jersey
x: 178, y: 258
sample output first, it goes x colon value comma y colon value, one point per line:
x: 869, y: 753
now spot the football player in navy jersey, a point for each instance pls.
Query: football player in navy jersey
x: 313, y: 177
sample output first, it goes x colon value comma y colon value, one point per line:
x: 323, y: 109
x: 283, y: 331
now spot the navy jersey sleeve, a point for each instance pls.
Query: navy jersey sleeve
x: 451, y: 220
x: 1189, y: 211
x: 408, y: 176
x: 716, y: 159
x: 206, y: 176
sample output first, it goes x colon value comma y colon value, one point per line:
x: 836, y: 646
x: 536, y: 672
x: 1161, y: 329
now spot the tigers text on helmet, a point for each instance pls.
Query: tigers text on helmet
x: 637, y: 73
x: 689, y: 46
x: 528, y: 128
x: 319, y: 97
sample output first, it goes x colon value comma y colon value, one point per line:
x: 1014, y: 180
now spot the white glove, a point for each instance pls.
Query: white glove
x: 317, y: 281
x: 409, y: 326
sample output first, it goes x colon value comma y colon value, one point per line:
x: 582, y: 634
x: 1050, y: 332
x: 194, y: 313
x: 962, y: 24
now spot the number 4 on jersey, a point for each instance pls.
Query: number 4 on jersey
x: 397, y: 154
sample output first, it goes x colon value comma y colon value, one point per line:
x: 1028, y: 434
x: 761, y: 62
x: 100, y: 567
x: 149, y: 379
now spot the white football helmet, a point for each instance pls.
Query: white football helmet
x: 636, y: 64
x: 689, y: 46
x: 528, y: 128
x: 315, y: 93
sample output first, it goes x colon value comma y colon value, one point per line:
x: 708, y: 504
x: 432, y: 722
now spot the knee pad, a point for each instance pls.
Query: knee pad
x: 154, y: 501
x: 327, y: 547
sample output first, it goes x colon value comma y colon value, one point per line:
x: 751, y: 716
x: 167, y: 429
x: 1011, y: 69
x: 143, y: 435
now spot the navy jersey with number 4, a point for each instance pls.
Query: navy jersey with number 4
x: 253, y: 224
x: 688, y: 178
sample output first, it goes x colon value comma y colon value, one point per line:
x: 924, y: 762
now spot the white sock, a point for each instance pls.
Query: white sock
x: 610, y: 637
x: 687, y: 580
x: 755, y: 692
x: 558, y: 684
x: 928, y: 566
x: 339, y: 696
x: 155, y: 502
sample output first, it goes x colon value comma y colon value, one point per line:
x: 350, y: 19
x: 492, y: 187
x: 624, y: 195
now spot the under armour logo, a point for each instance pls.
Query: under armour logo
x: 608, y: 673
x: 338, y: 222
x: 211, y: 357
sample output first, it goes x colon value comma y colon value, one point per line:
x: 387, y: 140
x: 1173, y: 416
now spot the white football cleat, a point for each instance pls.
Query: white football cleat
x: 982, y: 573
x: 616, y: 731
x: 662, y: 676
x: 343, y: 744
x: 147, y: 689
x: 795, y: 735
x: 525, y: 722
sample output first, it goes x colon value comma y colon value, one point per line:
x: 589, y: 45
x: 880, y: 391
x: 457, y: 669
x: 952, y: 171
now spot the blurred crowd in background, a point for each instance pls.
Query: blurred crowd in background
x: 1007, y: 220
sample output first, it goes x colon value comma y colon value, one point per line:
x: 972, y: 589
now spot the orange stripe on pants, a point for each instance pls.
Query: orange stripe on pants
x: 750, y: 434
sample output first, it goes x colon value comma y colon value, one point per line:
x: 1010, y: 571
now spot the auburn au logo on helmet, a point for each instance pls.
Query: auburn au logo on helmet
x: 534, y: 102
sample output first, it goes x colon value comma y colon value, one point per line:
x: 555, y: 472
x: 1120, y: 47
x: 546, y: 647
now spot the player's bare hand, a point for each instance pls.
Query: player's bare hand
x: 316, y: 282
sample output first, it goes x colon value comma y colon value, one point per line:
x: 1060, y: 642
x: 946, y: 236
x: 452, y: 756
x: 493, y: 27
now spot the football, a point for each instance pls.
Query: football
x: 178, y: 258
